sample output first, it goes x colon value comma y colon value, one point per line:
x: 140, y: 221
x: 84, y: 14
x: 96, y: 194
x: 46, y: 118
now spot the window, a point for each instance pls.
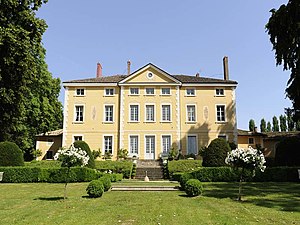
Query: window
x: 150, y: 75
x: 49, y: 155
x: 190, y: 92
x: 109, y: 91
x: 165, y: 91
x: 150, y: 144
x: 150, y: 113
x: 149, y: 91
x: 77, y: 138
x: 134, y: 91
x: 80, y: 91
x: 50, y: 141
x: 134, y: 144
x: 79, y: 113
x: 166, y: 113
x: 220, y: 113
x: 191, y: 113
x: 109, y: 112
x: 251, y: 141
x: 223, y: 136
x: 219, y: 92
x: 166, y: 143
x: 108, y: 144
x: 134, y: 113
x: 192, y: 145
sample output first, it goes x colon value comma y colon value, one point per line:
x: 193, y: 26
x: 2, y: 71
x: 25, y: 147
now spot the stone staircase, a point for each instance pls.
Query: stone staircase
x: 153, y: 169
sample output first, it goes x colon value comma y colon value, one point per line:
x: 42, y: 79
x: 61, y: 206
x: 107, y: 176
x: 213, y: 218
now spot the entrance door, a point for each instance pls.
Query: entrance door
x: 150, y: 147
x: 192, y: 144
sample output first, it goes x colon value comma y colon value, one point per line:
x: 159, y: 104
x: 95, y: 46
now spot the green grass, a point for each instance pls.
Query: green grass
x: 41, y: 203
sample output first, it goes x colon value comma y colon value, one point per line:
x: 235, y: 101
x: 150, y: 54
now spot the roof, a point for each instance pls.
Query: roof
x: 249, y: 133
x: 51, y: 133
x: 280, y: 135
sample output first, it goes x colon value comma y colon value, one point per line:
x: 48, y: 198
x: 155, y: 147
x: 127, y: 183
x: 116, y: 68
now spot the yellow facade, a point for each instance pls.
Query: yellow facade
x: 149, y: 111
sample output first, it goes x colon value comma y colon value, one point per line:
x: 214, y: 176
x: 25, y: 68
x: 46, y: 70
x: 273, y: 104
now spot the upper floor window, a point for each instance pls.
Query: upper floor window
x: 149, y: 91
x: 109, y: 91
x: 166, y: 91
x: 134, y: 113
x: 150, y: 113
x: 219, y: 92
x: 109, y: 113
x: 134, y: 91
x: 251, y: 141
x: 166, y: 113
x: 80, y: 92
x: 190, y: 92
x: 79, y: 113
x: 220, y: 113
x: 77, y: 138
x: 191, y: 113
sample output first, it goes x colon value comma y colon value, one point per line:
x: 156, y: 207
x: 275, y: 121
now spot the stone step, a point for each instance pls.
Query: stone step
x: 152, y: 173
x: 148, y: 163
x: 145, y: 188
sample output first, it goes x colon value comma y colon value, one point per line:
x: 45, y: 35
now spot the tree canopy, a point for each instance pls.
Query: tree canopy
x: 28, y: 94
x: 283, y: 28
x: 251, y: 125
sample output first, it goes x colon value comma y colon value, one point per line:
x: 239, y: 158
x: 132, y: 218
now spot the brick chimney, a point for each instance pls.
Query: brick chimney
x: 225, y: 66
x: 99, y: 70
x: 128, y: 67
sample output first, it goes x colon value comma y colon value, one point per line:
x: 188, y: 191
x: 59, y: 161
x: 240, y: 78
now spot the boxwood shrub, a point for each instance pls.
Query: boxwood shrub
x: 10, y: 154
x: 95, y: 189
x: 106, y: 182
x: 193, y: 187
x: 183, y: 166
x: 123, y: 167
x: 184, y: 178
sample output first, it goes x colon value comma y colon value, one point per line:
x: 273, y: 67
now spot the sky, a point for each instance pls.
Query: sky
x: 180, y: 37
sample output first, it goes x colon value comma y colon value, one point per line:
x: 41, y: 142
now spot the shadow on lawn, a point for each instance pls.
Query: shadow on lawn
x: 50, y: 198
x: 283, y: 196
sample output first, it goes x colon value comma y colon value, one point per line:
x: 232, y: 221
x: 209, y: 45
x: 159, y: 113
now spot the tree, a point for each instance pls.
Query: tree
x: 290, y: 121
x: 282, y: 120
x: 275, y: 126
x: 29, y: 95
x: 251, y: 125
x: 269, y: 127
x: 263, y: 127
x: 283, y: 28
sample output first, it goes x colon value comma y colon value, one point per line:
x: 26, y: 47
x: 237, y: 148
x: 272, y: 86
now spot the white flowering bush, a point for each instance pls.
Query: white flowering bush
x: 72, y: 156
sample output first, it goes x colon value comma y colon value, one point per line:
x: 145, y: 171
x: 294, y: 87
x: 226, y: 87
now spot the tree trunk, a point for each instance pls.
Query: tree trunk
x: 240, y: 186
x: 66, y: 183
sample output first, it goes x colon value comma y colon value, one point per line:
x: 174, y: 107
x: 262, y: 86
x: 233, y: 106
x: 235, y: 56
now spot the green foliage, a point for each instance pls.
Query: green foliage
x: 216, y: 153
x: 173, y: 153
x: 96, y: 153
x: 289, y: 118
x: 44, y: 164
x: 232, y: 145
x: 278, y: 174
x: 106, y: 181
x: 282, y: 120
x: 85, y: 147
x: 275, y: 127
x: 193, y: 187
x: 269, y: 129
x: 184, y: 178
x: 29, y: 95
x: 95, y: 189
x: 263, y: 126
x: 288, y: 152
x: 283, y: 29
x: 123, y: 167
x: 215, y: 174
x: 251, y: 125
x: 122, y: 153
x: 10, y: 154
x: 183, y: 166
x: 36, y: 153
x: 133, y: 172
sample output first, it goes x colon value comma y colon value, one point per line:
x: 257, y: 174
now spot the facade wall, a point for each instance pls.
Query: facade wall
x: 243, y: 141
x: 48, y: 143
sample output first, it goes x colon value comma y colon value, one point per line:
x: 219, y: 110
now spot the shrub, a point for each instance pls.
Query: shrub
x: 20, y: 174
x: 123, y: 167
x: 183, y: 166
x: 215, y: 174
x: 216, y: 153
x: 95, y: 189
x: 10, y: 154
x: 287, y: 152
x: 106, y: 182
x: 133, y: 172
x: 119, y: 176
x: 184, y: 178
x: 44, y: 164
x: 193, y: 187
x: 84, y: 146
x: 176, y: 176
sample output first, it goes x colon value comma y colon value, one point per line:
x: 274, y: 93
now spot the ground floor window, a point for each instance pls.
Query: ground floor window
x: 166, y: 143
x: 150, y: 144
x: 134, y: 144
x: 192, y: 144
x: 108, y: 146
x: 78, y: 138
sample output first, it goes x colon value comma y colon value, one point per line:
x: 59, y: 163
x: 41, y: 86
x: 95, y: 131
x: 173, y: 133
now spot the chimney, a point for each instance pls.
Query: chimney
x: 225, y: 66
x: 128, y: 67
x: 197, y: 75
x: 255, y: 129
x: 99, y: 70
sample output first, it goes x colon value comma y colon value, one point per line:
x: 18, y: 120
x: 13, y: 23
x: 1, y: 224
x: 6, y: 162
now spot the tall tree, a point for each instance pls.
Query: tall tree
x: 282, y: 120
x: 263, y: 127
x: 275, y: 126
x: 289, y: 117
x: 28, y: 93
x: 284, y: 28
x: 251, y: 125
x: 269, y: 128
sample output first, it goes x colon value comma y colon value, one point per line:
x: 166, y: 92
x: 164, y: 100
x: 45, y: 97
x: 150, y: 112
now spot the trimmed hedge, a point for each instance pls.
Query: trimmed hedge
x: 193, y: 187
x: 183, y: 166
x: 50, y: 175
x: 106, y: 181
x: 44, y: 163
x: 10, y: 154
x: 123, y: 167
x: 184, y: 178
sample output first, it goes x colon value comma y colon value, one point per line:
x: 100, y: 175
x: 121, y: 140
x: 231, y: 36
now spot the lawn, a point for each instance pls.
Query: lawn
x: 41, y: 203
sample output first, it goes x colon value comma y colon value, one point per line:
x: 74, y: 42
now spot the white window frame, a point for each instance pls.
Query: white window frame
x: 216, y: 108
x: 112, y: 142
x: 187, y: 113
x: 190, y: 94
x: 218, y: 94
x: 138, y: 144
x: 165, y: 88
x: 138, y: 114
x: 187, y: 143
x: 113, y: 113
x: 132, y: 88
x: 154, y: 114
x: 75, y: 113
x: 145, y: 143
x: 109, y: 94
x: 80, y: 88
x: 161, y: 111
x: 225, y: 136
x: 77, y: 135
x: 150, y: 88
x: 162, y: 143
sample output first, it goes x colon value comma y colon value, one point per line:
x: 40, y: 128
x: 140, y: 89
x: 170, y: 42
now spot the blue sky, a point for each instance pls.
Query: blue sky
x: 181, y: 37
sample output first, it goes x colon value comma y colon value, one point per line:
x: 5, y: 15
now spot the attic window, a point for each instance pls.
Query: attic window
x: 150, y: 75
x: 80, y: 92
